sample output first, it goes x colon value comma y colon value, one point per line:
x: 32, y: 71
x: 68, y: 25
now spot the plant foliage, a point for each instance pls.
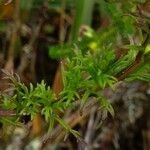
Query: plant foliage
x: 91, y: 64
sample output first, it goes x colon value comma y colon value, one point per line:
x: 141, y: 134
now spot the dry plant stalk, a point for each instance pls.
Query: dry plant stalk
x: 14, y: 37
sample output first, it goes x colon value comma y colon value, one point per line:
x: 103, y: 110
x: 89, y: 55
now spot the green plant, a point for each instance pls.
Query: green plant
x: 91, y: 64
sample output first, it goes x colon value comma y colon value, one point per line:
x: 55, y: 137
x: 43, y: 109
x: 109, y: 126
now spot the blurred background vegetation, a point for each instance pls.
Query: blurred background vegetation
x: 35, y: 38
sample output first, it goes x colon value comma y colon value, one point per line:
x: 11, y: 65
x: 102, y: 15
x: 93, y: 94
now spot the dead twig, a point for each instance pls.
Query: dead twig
x: 15, y: 34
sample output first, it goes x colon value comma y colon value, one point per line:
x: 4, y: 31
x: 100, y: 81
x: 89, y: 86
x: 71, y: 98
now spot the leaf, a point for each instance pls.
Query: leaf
x: 67, y: 127
x: 105, y: 106
x: 60, y: 51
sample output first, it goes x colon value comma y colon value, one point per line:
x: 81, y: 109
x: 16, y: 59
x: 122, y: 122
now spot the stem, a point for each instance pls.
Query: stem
x: 136, y: 63
x: 62, y: 22
x: 10, y: 63
x: 132, y: 67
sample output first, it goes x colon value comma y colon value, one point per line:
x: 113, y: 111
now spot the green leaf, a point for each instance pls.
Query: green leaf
x: 106, y: 106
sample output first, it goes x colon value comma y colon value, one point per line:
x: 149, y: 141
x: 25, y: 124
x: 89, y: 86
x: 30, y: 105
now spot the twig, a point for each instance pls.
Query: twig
x: 10, y: 63
x: 6, y: 113
x: 28, y: 49
x: 90, y: 129
x: 8, y: 2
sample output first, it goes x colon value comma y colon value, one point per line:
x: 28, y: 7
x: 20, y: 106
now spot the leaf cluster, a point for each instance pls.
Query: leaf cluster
x: 33, y: 100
